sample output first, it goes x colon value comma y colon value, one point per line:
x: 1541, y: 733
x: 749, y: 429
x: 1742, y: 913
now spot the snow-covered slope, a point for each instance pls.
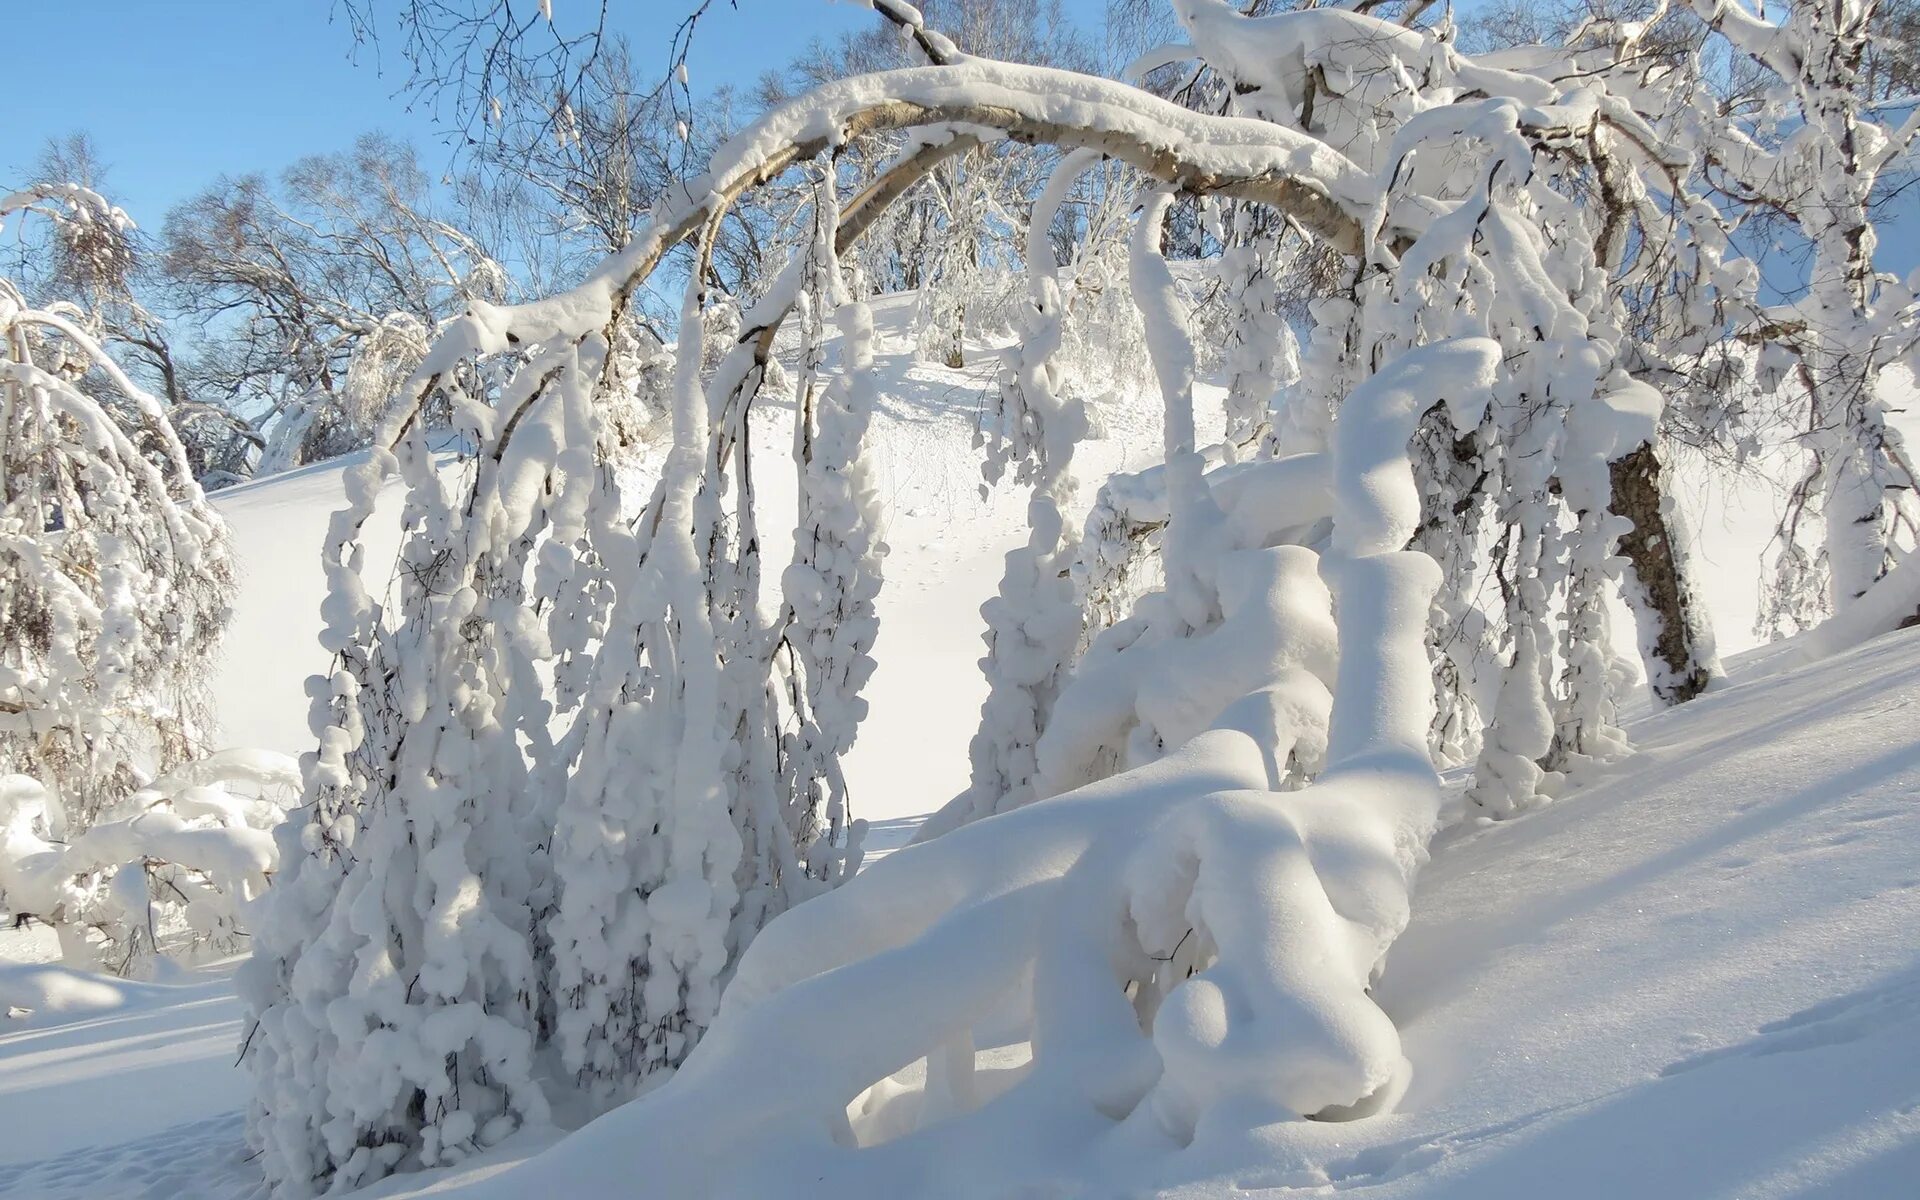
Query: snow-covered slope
x: 1694, y: 978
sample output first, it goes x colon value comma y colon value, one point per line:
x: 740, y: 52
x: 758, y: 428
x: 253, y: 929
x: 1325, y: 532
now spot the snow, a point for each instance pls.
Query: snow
x: 1694, y: 977
x: 1697, y: 978
x: 1171, y: 962
x: 132, y: 1098
x: 1708, y: 952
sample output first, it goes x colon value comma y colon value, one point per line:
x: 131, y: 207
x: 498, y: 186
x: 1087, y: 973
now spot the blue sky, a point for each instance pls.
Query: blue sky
x: 177, y: 93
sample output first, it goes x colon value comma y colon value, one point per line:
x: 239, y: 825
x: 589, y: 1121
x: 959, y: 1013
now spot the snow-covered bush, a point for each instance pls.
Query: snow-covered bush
x: 170, y: 871
x: 115, y: 581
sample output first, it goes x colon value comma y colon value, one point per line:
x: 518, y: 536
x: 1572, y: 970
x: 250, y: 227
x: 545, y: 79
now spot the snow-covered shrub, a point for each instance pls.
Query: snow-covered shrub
x: 398, y: 983
x: 633, y: 406
x: 170, y: 871
x: 115, y: 581
x: 1103, y: 348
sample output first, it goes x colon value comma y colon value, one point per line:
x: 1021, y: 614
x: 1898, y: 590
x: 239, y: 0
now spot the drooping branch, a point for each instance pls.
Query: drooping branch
x: 1194, y: 152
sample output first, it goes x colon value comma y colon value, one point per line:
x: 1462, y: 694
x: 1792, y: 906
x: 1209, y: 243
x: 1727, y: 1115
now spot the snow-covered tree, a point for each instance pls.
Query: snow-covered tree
x: 115, y: 580
x: 315, y: 299
x: 1265, y: 716
x: 400, y: 982
x: 565, y: 782
x: 1817, y: 158
x: 573, y: 791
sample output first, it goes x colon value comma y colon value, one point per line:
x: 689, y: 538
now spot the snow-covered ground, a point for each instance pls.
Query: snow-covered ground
x: 1694, y: 977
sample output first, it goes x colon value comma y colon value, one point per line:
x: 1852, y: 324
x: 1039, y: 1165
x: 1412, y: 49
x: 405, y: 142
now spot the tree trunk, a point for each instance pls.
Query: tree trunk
x: 1676, y: 639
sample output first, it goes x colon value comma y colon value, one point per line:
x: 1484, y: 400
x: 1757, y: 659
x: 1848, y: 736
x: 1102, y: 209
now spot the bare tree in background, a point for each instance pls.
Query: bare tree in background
x: 315, y: 298
x: 111, y: 272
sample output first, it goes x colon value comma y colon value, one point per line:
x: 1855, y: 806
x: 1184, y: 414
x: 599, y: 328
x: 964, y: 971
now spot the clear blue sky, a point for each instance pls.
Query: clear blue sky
x: 177, y: 92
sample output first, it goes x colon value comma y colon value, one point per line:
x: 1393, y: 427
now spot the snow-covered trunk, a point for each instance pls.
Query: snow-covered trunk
x: 1849, y: 423
x: 1586, y: 727
x: 1520, y: 730
x: 1853, y: 446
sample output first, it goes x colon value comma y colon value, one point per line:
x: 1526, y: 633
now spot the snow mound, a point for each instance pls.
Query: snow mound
x: 1696, y: 977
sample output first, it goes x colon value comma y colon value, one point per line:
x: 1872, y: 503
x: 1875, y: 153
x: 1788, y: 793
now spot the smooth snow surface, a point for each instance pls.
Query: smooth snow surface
x: 138, y: 1097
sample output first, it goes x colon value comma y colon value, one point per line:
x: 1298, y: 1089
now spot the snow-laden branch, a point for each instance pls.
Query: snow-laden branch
x: 1754, y: 36
x: 1118, y: 931
x: 173, y: 868
x: 1198, y: 153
